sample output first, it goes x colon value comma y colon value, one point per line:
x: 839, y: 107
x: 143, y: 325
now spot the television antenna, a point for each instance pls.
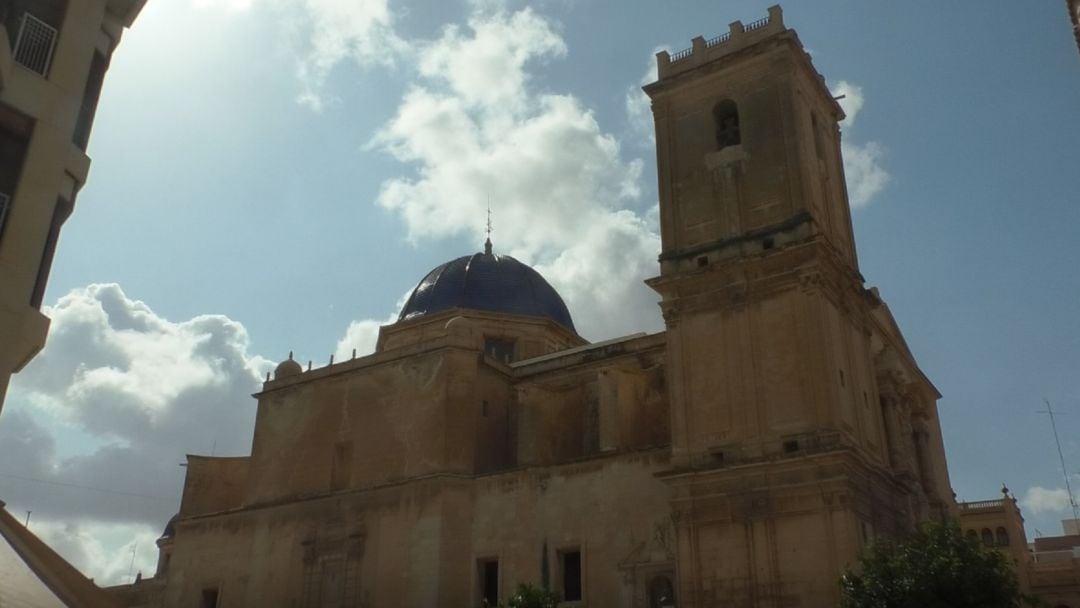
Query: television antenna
x: 1065, y: 473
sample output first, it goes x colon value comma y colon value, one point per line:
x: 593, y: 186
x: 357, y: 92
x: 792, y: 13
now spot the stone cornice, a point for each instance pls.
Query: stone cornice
x: 810, y: 266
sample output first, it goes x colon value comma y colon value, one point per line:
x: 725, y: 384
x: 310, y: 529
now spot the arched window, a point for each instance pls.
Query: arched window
x: 972, y: 534
x: 1002, y: 537
x: 726, y: 114
x: 661, y: 592
x: 987, y: 537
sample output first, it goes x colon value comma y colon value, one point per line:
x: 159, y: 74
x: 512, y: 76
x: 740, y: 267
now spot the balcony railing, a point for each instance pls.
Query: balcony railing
x: 982, y: 504
x: 35, y: 43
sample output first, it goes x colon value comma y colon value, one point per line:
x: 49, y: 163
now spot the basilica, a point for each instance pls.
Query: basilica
x: 740, y: 458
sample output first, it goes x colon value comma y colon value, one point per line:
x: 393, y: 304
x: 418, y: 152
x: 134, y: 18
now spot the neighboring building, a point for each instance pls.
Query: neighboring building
x: 53, y: 58
x: 33, y: 576
x: 1049, y: 568
x: 740, y: 458
x: 999, y: 524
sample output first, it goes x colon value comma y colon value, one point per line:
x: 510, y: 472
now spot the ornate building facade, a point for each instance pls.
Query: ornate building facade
x: 740, y: 458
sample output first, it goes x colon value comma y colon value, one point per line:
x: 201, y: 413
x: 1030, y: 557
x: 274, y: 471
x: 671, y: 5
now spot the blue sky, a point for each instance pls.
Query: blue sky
x: 295, y: 166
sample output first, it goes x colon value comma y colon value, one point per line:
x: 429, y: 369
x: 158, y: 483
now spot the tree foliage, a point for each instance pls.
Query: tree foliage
x: 529, y: 596
x: 935, y: 568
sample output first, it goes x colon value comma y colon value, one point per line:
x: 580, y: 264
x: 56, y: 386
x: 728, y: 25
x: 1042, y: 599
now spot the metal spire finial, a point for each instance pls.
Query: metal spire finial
x: 487, y: 243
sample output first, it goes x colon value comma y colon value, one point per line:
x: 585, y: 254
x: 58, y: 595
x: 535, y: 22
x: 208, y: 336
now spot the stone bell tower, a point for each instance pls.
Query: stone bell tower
x: 781, y: 455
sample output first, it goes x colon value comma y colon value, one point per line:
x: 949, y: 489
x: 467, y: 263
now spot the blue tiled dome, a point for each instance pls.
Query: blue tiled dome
x: 485, y: 281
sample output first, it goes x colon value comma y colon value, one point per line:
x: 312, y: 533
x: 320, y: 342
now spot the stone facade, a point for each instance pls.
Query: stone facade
x: 53, y: 58
x: 801, y: 425
x: 741, y: 458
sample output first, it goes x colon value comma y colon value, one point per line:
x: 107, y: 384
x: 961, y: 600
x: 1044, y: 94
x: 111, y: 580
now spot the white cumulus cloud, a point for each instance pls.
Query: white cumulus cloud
x: 863, y: 163
x: 232, y: 5
x: 323, y: 34
x: 562, y: 193
x: 110, y: 553
x: 1038, y: 499
x: 360, y: 336
x: 333, y: 31
x: 638, y: 105
x: 97, y: 424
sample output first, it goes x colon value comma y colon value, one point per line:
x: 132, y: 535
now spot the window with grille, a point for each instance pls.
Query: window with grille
x: 35, y: 43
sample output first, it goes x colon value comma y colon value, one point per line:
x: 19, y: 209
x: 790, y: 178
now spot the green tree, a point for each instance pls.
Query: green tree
x: 937, y: 567
x: 529, y: 596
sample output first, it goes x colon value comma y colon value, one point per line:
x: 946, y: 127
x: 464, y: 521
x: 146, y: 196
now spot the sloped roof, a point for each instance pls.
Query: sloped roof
x: 19, y: 586
x: 34, y: 576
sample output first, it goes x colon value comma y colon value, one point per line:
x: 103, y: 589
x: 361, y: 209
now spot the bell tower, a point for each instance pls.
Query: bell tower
x: 782, y: 460
x: 758, y: 272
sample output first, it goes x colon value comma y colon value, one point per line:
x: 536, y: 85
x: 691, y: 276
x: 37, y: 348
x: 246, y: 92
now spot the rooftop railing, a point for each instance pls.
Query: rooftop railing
x: 981, y: 504
x: 721, y: 39
x: 683, y: 54
x: 736, y: 29
x: 760, y: 23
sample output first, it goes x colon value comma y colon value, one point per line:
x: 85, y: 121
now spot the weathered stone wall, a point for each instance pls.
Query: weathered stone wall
x: 375, y: 424
x: 214, y: 484
x: 418, y: 543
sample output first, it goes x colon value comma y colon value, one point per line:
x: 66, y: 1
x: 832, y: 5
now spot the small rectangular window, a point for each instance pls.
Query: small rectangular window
x: 210, y: 598
x: 501, y: 349
x: 571, y: 575
x: 489, y: 582
x: 341, y: 467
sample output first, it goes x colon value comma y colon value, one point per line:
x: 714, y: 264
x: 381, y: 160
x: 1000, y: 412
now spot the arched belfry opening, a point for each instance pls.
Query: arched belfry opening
x: 726, y: 115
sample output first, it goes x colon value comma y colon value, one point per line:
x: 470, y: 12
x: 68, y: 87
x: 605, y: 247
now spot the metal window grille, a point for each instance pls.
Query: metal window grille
x: 5, y: 204
x: 35, y: 43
